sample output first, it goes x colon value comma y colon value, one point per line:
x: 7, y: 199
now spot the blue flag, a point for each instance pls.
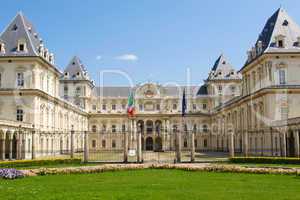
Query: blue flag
x: 183, y: 107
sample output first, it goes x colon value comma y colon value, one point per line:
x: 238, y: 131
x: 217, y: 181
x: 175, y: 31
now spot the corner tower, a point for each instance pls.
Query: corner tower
x: 76, y: 85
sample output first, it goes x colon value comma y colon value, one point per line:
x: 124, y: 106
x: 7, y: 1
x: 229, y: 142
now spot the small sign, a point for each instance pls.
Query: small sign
x: 131, y: 152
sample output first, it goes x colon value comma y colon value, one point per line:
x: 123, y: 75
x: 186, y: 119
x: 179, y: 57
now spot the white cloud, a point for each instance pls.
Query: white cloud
x: 127, y: 57
x: 99, y: 57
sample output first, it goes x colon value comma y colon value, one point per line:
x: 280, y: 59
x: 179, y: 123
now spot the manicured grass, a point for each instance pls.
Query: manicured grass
x: 153, y: 184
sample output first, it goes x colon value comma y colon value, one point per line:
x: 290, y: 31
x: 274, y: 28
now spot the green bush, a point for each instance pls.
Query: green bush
x: 265, y: 160
x: 30, y: 163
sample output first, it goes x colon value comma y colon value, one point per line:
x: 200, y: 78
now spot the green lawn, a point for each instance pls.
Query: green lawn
x: 153, y: 184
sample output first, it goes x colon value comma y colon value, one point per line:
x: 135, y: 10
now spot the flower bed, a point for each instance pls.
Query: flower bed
x: 187, y: 167
x: 11, y: 174
x: 29, y: 163
x: 265, y: 160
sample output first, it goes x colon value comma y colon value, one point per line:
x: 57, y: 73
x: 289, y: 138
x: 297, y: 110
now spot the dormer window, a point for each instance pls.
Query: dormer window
x: 22, y: 45
x: 280, y: 41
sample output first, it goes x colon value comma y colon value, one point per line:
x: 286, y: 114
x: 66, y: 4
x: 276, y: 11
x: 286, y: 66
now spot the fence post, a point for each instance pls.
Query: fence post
x: 125, y: 146
x: 86, y: 147
x: 72, y: 142
x: 231, y: 143
x: 139, y: 147
x: 33, y: 156
x: 192, y: 146
x: 178, y: 147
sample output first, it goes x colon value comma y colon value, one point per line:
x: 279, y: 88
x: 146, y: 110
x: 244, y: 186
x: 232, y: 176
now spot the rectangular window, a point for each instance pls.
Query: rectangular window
x: 204, y: 106
x: 113, y: 144
x: 21, y: 47
x: 94, y: 107
x: 20, y: 115
x: 113, y: 107
x: 194, y: 107
x: 123, y: 106
x: 174, y: 106
x: 141, y: 107
x: 113, y: 128
x: 157, y: 106
x: 269, y: 65
x: 103, y: 106
x: 282, y: 77
x: 123, y: 128
x: 20, y: 79
x: 280, y: 43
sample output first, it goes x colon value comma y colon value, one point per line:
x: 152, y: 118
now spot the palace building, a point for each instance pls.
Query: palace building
x: 48, y: 112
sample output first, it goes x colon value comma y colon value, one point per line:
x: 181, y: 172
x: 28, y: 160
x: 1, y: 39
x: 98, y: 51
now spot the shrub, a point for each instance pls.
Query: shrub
x: 29, y: 163
x: 11, y: 174
x: 265, y: 160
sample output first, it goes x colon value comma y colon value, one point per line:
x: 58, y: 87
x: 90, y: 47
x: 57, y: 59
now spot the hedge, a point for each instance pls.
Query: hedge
x: 265, y: 160
x: 29, y: 163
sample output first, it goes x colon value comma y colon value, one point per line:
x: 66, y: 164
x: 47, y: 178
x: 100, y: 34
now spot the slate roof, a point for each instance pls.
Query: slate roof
x: 20, y: 28
x: 279, y: 24
x: 74, y: 67
x: 202, y: 90
x: 222, y: 70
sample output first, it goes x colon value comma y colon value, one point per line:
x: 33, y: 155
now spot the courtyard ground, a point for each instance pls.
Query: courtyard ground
x: 153, y: 184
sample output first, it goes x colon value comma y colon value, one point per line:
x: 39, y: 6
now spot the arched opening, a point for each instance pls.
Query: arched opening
x: 149, y: 126
x: 149, y: 144
x: 140, y: 126
x: 7, y: 146
x: 290, y: 144
x: 158, y: 144
x: 158, y: 126
x: 14, y: 147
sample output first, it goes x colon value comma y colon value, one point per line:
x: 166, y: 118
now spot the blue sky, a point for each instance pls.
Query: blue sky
x: 150, y: 40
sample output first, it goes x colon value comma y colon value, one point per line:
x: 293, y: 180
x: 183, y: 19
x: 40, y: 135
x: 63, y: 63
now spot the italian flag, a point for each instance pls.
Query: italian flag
x: 130, y: 105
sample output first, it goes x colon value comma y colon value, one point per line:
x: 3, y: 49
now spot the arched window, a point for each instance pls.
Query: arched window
x: 185, y: 144
x: 103, y: 144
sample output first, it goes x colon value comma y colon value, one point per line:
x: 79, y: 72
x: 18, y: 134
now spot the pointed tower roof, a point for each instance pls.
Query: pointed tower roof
x: 76, y: 70
x: 279, y: 27
x: 222, y: 69
x: 20, y: 29
x: 279, y: 24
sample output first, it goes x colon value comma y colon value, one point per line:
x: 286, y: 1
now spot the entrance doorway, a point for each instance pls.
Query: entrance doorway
x: 149, y: 144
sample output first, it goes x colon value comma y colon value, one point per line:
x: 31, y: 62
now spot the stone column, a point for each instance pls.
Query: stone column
x: 72, y: 143
x: 10, y: 148
x: 86, y: 147
x: 231, y: 144
x: 139, y: 147
x: 126, y: 146
x: 2, y: 149
x: 283, y: 153
x: 297, y: 147
x: 192, y: 146
x: 246, y: 145
x: 33, y: 156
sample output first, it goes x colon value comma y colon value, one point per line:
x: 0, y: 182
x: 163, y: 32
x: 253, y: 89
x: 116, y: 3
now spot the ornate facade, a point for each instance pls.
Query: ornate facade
x: 252, y: 111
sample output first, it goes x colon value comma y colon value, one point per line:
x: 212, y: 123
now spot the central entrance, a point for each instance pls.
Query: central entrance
x: 149, y: 144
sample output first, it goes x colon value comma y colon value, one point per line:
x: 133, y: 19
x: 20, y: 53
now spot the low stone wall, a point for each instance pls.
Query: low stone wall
x: 187, y: 167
